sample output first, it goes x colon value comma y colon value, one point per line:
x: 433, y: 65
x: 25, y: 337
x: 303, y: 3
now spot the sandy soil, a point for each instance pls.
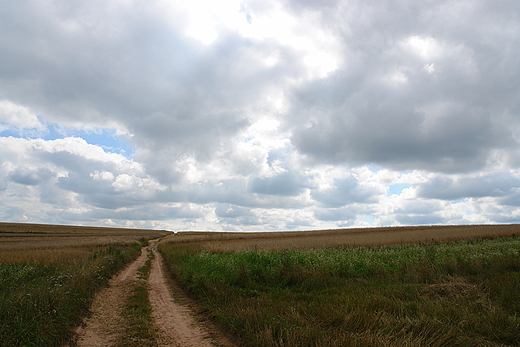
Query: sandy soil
x: 176, y: 321
x: 106, y: 325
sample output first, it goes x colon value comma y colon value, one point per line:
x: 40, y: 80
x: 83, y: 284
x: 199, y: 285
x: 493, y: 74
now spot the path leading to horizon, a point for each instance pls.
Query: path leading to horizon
x: 176, y: 322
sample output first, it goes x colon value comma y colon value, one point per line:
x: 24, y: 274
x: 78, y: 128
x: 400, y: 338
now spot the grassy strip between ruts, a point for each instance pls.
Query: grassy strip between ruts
x: 451, y: 294
x: 41, y: 303
x: 141, y: 331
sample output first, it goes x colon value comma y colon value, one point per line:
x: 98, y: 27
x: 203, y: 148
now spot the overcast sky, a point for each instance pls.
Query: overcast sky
x: 259, y: 115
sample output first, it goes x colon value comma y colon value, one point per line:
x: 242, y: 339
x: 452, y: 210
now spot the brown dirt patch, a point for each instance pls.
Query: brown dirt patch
x: 175, y: 319
x: 106, y: 325
x: 176, y: 322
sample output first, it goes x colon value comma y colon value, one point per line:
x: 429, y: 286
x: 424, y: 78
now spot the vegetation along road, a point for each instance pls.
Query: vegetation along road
x: 402, y: 286
x: 175, y: 322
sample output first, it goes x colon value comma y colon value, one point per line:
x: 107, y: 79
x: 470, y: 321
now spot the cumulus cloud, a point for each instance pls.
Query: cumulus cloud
x: 333, y: 215
x: 285, y: 184
x: 423, y: 219
x: 30, y: 176
x: 18, y: 118
x: 494, y: 185
x: 259, y: 114
x: 424, y: 97
x: 346, y: 191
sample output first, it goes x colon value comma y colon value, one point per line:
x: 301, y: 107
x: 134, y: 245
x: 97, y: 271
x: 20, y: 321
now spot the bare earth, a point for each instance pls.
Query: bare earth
x: 176, y: 322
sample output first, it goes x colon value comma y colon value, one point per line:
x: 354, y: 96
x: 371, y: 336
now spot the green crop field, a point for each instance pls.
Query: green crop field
x: 460, y: 293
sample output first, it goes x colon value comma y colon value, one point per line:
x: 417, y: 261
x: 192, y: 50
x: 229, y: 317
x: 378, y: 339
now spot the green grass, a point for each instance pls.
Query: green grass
x: 140, y: 329
x: 40, y: 304
x: 144, y: 242
x: 453, y: 294
x: 144, y: 271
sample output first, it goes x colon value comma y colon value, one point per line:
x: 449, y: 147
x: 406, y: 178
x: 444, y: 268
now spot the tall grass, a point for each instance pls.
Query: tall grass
x: 453, y: 294
x: 40, y: 303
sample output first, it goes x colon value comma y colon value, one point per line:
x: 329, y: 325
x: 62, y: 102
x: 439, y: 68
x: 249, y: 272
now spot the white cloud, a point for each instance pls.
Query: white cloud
x: 254, y: 115
x: 425, y: 47
x: 18, y: 118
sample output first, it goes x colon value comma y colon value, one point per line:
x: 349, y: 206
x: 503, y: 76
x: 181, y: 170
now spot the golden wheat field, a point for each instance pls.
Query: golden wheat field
x: 272, y: 241
x: 37, y: 243
x: 45, y: 238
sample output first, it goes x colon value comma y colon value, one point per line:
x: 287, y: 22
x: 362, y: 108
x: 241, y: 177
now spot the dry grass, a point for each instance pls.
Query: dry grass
x: 19, y: 236
x: 67, y: 229
x: 450, y: 287
x: 272, y: 241
x: 48, y: 256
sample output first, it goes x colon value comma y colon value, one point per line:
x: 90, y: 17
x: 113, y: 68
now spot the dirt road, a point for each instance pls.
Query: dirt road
x: 176, y: 322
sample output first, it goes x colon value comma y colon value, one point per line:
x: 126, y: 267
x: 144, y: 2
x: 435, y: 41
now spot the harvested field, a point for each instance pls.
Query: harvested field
x: 272, y: 241
x: 21, y: 236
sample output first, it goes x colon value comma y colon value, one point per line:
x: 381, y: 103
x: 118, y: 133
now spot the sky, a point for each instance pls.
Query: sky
x: 259, y: 114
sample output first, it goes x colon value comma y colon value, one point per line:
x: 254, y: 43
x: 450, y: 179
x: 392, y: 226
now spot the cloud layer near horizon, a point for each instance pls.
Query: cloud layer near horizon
x: 259, y: 115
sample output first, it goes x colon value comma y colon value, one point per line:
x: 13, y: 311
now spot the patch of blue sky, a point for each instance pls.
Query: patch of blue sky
x: 397, y: 189
x: 374, y: 168
x: 9, y: 133
x: 458, y: 201
x: 243, y: 139
x: 104, y: 138
x: 369, y: 219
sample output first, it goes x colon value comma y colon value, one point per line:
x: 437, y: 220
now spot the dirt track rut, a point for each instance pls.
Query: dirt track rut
x: 176, y: 322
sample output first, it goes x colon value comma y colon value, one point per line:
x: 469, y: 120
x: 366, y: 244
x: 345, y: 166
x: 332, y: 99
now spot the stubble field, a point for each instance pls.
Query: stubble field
x: 272, y: 241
